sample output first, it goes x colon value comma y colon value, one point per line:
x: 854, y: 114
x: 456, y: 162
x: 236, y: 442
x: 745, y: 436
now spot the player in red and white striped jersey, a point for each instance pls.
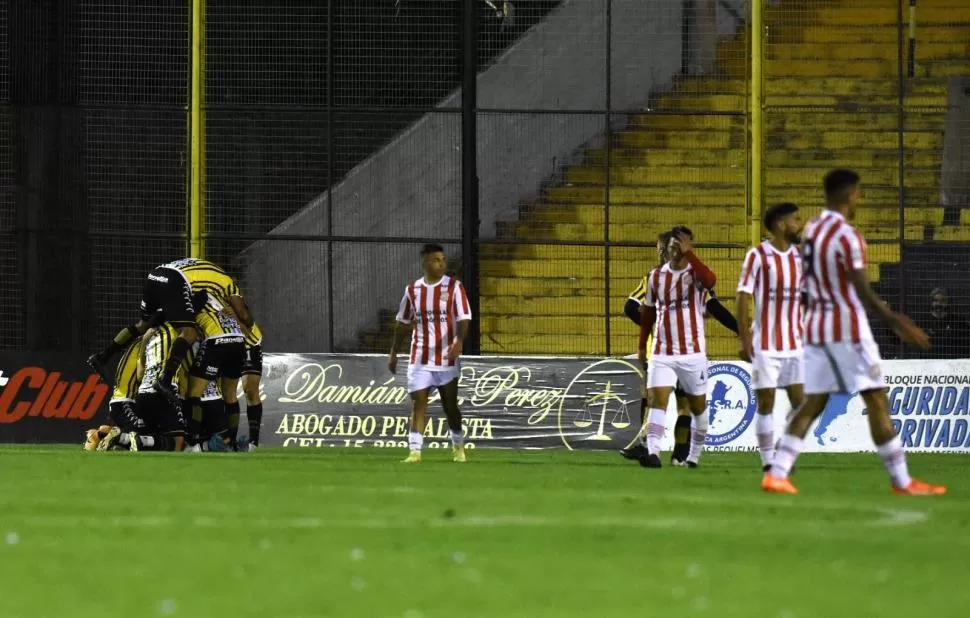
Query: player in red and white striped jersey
x: 771, y: 280
x: 841, y: 355
x: 436, y: 306
x: 675, y: 298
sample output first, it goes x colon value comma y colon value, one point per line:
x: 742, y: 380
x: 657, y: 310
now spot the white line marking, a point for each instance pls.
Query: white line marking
x: 895, y: 517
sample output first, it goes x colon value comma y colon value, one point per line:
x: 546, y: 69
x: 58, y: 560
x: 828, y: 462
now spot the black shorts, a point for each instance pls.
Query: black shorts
x: 160, y: 416
x: 678, y: 391
x: 168, y: 291
x: 214, y: 417
x: 253, y: 366
x: 124, y: 415
x: 220, y: 357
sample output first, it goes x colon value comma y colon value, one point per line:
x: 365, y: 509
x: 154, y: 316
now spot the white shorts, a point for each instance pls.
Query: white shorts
x: 843, y: 368
x: 771, y: 371
x: 689, y: 369
x: 421, y: 378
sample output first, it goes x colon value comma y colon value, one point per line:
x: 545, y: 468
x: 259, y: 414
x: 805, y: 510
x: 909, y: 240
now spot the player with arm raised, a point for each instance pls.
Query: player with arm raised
x: 675, y: 298
x: 770, y: 281
x: 713, y: 308
x: 435, y: 308
x: 841, y: 355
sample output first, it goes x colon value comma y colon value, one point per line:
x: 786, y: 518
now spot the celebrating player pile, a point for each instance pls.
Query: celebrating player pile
x: 841, y: 355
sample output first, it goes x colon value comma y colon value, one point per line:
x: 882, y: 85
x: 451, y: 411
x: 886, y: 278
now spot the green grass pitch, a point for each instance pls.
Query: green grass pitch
x: 356, y: 533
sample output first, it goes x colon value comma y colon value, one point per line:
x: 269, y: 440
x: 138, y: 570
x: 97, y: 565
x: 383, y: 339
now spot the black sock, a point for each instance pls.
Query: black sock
x: 254, y: 414
x: 682, y: 438
x: 120, y: 342
x: 643, y: 411
x: 180, y: 347
x: 232, y: 410
x: 193, y: 419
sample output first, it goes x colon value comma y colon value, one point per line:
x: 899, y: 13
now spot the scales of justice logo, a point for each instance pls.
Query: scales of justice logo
x: 595, y: 407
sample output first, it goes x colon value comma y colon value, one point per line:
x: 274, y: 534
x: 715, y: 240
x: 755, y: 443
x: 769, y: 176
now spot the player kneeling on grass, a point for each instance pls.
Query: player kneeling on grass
x: 771, y: 279
x: 121, y: 407
x: 436, y: 308
x: 841, y: 355
x: 162, y: 426
x: 676, y: 293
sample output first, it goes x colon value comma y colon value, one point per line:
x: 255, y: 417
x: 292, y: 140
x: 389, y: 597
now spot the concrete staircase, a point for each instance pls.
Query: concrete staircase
x: 830, y: 92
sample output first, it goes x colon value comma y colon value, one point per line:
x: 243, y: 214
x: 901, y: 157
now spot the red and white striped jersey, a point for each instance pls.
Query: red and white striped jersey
x: 435, y: 311
x: 774, y: 280
x: 831, y: 249
x: 679, y: 299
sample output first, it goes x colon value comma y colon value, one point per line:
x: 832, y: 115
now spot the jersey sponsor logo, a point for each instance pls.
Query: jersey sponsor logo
x: 220, y: 340
x: 731, y: 402
x: 33, y: 391
x: 158, y: 278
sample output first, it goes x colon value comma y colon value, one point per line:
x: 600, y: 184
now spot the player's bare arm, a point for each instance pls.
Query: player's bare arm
x: 743, y: 304
x: 241, y: 309
x: 454, y: 350
x: 904, y: 328
x: 648, y: 317
x: 401, y: 332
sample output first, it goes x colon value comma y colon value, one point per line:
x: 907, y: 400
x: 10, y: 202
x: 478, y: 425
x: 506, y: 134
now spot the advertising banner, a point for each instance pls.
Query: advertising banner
x: 49, y: 398
x: 324, y: 400
x: 351, y: 400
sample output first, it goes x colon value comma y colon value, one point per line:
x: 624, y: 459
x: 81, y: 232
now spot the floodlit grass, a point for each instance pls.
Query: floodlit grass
x: 355, y: 533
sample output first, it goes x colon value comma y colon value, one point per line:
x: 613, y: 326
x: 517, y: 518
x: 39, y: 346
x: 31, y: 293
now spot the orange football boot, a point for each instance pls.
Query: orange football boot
x: 919, y: 488
x: 772, y: 485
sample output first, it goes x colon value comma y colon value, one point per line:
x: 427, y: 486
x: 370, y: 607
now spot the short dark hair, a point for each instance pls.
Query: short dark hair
x: 664, y: 237
x: 431, y: 248
x: 838, y: 183
x: 679, y: 230
x: 776, y: 212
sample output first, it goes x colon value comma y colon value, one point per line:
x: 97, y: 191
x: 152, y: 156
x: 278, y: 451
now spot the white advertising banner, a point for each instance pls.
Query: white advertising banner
x: 929, y: 403
x: 339, y: 400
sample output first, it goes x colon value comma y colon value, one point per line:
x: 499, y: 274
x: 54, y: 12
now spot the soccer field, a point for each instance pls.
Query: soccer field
x: 355, y: 533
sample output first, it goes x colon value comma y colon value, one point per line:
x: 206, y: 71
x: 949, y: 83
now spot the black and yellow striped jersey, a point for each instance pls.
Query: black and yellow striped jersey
x: 126, y: 373
x: 204, y: 276
x: 639, y: 293
x: 254, y: 336
x: 218, y: 321
x: 156, y: 350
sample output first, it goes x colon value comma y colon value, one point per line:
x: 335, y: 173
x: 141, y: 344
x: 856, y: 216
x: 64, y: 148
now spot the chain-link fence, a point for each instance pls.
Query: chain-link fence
x: 334, y: 133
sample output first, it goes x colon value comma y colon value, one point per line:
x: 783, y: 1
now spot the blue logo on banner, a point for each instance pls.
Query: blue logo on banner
x: 837, y: 406
x: 731, y: 402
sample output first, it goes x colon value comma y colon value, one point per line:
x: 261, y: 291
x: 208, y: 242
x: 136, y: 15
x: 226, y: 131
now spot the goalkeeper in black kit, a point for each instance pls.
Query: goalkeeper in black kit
x: 713, y: 308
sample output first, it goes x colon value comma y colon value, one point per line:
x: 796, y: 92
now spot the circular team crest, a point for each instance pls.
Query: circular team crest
x: 731, y: 402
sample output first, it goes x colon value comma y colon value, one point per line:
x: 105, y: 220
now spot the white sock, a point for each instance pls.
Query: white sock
x: 656, y: 425
x: 698, y: 433
x: 415, y: 440
x: 457, y: 438
x: 788, y: 449
x: 124, y: 440
x: 765, y: 429
x: 894, y: 459
x: 146, y: 441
